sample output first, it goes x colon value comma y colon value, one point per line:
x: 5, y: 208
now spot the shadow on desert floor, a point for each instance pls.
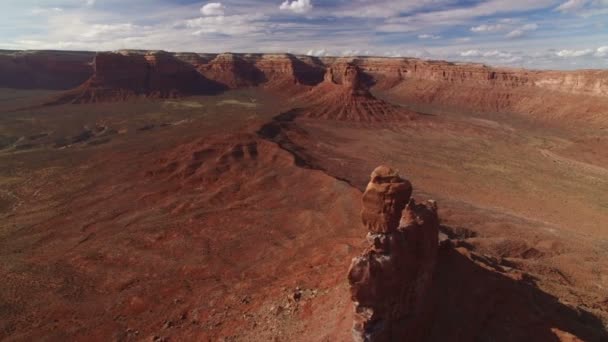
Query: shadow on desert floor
x: 478, y: 303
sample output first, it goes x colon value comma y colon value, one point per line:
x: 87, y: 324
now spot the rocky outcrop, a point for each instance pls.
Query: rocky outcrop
x: 53, y: 70
x: 391, y: 282
x: 344, y: 96
x: 120, y: 76
x: 232, y: 71
x: 169, y: 77
x: 286, y: 72
x: 553, y: 96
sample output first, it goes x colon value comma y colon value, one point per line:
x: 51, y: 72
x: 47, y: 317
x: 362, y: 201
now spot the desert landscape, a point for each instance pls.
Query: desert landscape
x: 155, y: 196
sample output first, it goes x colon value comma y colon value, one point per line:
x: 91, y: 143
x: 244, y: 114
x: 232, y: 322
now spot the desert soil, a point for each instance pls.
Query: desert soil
x: 184, y: 220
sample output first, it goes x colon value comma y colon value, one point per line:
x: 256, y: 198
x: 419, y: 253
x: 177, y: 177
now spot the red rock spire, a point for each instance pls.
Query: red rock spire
x: 391, y: 282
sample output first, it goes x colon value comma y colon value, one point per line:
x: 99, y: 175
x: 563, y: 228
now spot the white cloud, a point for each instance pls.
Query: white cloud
x: 574, y: 53
x: 471, y: 53
x: 488, y: 28
x: 384, y: 8
x: 520, y: 32
x: 493, y: 54
x: 571, y: 5
x: 530, y: 27
x: 515, y: 34
x: 493, y: 57
x: 506, y: 24
x: 90, y: 2
x: 213, y: 9
x: 296, y: 6
x: 498, y: 54
x: 46, y: 11
x: 231, y: 25
x: 317, y: 53
x: 99, y: 30
x: 428, y: 36
x: 602, y: 51
x: 457, y: 15
x: 348, y: 53
x: 351, y: 53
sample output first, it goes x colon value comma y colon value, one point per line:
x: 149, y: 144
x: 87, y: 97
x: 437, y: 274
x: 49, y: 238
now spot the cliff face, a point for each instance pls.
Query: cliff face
x: 587, y: 82
x: 44, y: 69
x: 391, y: 282
x: 120, y: 76
x: 545, y: 95
x: 287, y: 72
x: 120, y: 72
x: 233, y: 71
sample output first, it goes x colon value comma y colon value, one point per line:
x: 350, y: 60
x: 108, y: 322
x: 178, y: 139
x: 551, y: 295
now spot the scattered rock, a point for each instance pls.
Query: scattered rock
x: 297, y: 294
x: 168, y: 324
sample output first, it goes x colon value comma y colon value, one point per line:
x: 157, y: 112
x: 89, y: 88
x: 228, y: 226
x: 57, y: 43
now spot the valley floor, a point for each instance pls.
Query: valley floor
x: 184, y: 220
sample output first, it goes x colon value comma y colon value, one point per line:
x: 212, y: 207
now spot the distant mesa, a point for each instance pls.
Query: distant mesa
x: 122, y: 76
x: 344, y: 95
x: 233, y: 71
x: 54, y: 70
x: 288, y: 74
x: 324, y: 84
x: 284, y: 73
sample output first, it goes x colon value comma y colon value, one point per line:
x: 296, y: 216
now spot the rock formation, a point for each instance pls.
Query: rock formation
x: 390, y: 283
x: 233, y: 71
x: 345, y: 96
x: 120, y: 76
x: 44, y: 69
x: 547, y: 95
x: 288, y: 73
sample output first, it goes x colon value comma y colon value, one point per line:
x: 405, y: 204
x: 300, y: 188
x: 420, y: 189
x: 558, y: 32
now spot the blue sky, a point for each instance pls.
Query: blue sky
x: 544, y: 34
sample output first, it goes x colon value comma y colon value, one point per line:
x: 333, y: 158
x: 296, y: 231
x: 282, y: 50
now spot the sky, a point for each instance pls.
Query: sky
x: 538, y: 34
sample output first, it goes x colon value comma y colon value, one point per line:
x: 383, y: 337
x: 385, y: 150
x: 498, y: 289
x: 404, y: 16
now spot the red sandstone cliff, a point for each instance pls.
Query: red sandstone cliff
x: 286, y: 72
x: 44, y: 69
x: 233, y: 71
x: 120, y: 76
x: 546, y: 95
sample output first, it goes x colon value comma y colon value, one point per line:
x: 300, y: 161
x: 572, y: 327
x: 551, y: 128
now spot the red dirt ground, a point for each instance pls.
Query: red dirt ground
x: 204, y: 230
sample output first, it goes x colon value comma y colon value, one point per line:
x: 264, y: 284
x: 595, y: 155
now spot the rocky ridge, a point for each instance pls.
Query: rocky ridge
x: 545, y: 95
x: 121, y: 76
x: 53, y: 70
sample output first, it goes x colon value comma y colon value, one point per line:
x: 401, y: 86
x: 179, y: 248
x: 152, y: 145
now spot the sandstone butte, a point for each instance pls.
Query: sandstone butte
x: 391, y: 282
x: 115, y: 76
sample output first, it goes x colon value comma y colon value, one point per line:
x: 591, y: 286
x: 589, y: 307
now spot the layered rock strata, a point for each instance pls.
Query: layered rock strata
x: 552, y: 96
x: 56, y: 70
x: 344, y: 95
x: 120, y: 76
x: 391, y: 282
x: 233, y: 71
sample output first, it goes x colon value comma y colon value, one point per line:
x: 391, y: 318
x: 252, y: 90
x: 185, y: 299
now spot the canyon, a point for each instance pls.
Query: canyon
x: 149, y: 195
x: 551, y: 95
